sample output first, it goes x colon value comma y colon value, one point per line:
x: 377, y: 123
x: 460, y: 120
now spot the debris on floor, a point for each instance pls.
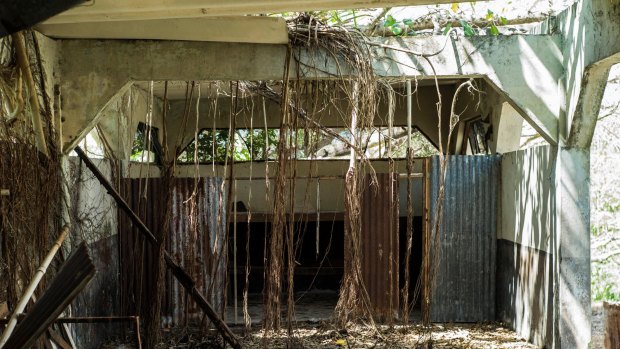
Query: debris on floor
x: 325, y: 335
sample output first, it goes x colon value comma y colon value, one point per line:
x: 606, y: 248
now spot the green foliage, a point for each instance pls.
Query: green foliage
x: 139, y: 153
x: 138, y: 145
x: 403, y: 27
x: 468, y: 30
x: 345, y: 18
x: 611, y: 207
x: 208, y: 146
x: 214, y: 145
x: 603, y: 288
x: 389, y: 21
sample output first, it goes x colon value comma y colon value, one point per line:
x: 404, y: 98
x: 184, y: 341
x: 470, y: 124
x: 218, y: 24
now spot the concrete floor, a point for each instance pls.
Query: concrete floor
x: 311, y: 306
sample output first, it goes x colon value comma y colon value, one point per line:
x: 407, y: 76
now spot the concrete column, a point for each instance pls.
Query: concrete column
x: 572, y: 249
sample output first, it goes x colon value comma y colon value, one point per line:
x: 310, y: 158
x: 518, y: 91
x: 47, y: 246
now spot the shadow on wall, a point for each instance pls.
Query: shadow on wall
x: 524, y: 288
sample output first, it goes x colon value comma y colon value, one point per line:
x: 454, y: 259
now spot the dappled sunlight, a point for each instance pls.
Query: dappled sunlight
x: 358, y: 336
x: 525, y: 246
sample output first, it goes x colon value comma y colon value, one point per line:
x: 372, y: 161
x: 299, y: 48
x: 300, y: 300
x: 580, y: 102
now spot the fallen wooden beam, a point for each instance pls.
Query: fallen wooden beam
x: 74, y: 275
x: 179, y: 273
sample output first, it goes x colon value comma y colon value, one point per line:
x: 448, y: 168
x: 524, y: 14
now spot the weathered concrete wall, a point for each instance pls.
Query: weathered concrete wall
x: 331, y: 189
x: 528, y: 197
x: 524, y: 288
x: 94, y: 220
x: 507, y: 125
x: 119, y: 120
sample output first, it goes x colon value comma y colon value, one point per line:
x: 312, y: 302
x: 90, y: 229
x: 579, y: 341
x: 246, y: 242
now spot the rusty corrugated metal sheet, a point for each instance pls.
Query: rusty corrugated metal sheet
x: 464, y: 289
x: 197, y: 239
x: 136, y: 254
x: 380, y: 245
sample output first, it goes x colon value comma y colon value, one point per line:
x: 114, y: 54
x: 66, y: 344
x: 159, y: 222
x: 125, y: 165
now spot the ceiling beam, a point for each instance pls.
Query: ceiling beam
x: 114, y: 10
x: 525, y: 70
x: 246, y: 29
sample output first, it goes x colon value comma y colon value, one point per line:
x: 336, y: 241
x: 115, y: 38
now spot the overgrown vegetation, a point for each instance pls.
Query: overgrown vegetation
x: 605, y: 195
x: 29, y: 210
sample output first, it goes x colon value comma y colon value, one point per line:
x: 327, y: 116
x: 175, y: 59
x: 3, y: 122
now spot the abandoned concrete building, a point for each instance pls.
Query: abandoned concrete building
x: 210, y: 167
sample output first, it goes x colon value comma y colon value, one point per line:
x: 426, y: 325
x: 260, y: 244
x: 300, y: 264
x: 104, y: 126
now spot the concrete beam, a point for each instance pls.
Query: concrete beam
x: 119, y: 121
x: 250, y: 29
x: 527, y: 69
x: 251, y: 113
x: 591, y: 33
x: 96, y: 72
x: 113, y: 10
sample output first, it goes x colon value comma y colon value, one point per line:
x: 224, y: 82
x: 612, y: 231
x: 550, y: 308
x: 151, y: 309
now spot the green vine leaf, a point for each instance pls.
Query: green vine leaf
x: 467, y: 29
x: 396, y: 29
x: 446, y: 30
x: 493, y: 30
x: 389, y: 21
x: 489, y: 15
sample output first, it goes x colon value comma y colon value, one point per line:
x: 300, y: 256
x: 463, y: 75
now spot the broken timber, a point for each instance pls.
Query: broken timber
x: 74, y: 275
x: 21, y: 305
x: 181, y: 275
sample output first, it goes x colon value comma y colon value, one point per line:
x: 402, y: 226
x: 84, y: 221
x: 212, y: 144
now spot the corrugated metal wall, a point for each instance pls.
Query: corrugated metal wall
x: 464, y: 289
x: 380, y: 252
x: 136, y: 254
x: 197, y: 240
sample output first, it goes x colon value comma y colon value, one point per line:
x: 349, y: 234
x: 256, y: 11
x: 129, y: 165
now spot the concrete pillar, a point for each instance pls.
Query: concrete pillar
x: 572, y: 249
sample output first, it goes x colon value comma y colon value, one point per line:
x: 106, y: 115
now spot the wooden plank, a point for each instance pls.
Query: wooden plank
x: 74, y: 275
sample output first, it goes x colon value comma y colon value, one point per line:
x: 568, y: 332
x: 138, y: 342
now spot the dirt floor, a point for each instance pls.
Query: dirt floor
x: 323, y: 335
